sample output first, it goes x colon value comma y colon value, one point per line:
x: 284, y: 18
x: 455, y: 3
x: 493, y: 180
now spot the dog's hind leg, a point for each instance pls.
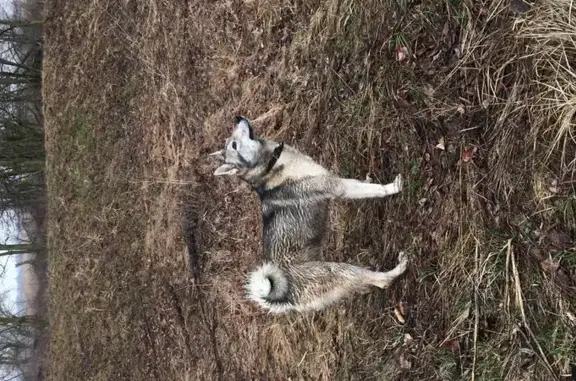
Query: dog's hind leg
x: 356, y: 189
x: 384, y: 279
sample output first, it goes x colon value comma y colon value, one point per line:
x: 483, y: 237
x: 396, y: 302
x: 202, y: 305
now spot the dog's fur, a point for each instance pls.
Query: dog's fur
x: 295, y: 192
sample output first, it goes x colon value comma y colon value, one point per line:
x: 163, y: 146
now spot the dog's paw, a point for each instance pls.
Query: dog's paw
x: 403, y: 260
x: 398, y: 183
x: 403, y: 257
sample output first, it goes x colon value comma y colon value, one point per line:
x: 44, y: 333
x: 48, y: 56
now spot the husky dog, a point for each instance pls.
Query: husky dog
x: 295, y: 194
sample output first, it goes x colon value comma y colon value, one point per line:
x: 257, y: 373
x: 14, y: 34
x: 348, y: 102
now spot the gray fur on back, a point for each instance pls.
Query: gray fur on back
x: 294, y: 219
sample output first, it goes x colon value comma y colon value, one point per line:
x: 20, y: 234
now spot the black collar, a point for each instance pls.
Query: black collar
x: 275, y: 156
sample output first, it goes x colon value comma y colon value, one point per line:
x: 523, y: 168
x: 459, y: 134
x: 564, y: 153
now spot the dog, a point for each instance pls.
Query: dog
x: 295, y: 194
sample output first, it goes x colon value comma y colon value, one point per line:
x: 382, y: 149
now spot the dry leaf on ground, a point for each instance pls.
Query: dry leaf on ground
x: 440, y: 144
x: 468, y: 154
x: 550, y: 265
x: 401, y: 53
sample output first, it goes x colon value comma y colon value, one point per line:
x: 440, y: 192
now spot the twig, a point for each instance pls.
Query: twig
x: 520, y: 303
x: 476, y: 309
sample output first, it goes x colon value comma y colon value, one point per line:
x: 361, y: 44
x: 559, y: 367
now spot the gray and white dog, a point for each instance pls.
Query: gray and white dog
x: 295, y: 193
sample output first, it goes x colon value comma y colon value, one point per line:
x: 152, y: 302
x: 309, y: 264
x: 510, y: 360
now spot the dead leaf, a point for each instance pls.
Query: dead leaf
x: 445, y: 31
x: 468, y: 154
x: 457, y: 52
x: 553, y: 187
x: 399, y: 316
x: 519, y: 6
x: 402, y: 99
x: 405, y: 364
x: 558, y: 238
x: 428, y: 90
x: 453, y: 345
x: 401, y: 53
x: 400, y: 313
x: 408, y: 339
x: 550, y: 265
x: 440, y: 144
x: 402, y: 308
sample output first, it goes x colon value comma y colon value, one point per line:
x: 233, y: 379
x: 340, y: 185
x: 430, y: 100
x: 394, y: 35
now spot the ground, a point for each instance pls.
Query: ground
x: 470, y: 101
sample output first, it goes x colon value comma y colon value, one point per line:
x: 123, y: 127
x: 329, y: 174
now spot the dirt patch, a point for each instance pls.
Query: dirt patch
x: 149, y: 252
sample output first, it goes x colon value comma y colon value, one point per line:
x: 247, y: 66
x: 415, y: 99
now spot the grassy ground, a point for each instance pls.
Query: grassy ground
x: 149, y: 251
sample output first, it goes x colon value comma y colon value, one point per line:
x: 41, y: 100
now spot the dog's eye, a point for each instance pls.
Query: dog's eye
x: 233, y: 145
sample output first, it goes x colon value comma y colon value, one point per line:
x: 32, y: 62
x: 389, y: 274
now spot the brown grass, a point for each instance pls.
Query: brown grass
x: 149, y: 251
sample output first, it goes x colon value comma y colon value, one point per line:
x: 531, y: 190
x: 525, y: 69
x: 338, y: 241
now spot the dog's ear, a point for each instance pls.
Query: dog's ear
x: 226, y: 169
x: 218, y: 154
x: 244, y: 128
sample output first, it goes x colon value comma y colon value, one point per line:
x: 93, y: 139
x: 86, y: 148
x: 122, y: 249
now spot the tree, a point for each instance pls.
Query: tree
x: 11, y: 249
x: 22, y: 157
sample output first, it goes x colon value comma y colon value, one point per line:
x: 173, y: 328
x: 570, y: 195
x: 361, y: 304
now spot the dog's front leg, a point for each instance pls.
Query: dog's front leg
x: 354, y: 189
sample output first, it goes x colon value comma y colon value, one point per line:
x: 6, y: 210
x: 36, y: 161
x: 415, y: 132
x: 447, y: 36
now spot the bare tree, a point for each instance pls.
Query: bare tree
x: 22, y: 186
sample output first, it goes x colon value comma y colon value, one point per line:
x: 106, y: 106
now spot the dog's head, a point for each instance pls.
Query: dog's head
x: 243, y: 150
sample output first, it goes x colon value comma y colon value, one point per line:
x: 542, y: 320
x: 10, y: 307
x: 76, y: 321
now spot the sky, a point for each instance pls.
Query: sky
x: 10, y: 287
x: 10, y: 284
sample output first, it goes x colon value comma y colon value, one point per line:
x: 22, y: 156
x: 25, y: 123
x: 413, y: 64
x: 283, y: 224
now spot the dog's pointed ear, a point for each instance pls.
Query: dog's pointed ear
x: 244, y: 128
x: 218, y: 154
x: 226, y: 170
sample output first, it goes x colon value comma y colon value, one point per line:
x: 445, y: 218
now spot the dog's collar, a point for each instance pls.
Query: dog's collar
x: 275, y: 156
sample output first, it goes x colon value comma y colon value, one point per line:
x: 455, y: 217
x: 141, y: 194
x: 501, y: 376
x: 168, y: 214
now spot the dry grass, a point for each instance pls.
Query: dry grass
x: 149, y: 251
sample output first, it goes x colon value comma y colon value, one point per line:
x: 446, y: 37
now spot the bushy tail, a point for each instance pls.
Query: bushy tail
x: 314, y: 285
x: 269, y: 286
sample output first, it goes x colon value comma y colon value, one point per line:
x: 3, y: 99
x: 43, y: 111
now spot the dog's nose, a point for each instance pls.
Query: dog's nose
x: 238, y: 119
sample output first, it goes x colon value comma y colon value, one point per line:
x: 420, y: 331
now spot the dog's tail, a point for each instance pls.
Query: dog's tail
x: 306, y: 286
x: 269, y: 286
